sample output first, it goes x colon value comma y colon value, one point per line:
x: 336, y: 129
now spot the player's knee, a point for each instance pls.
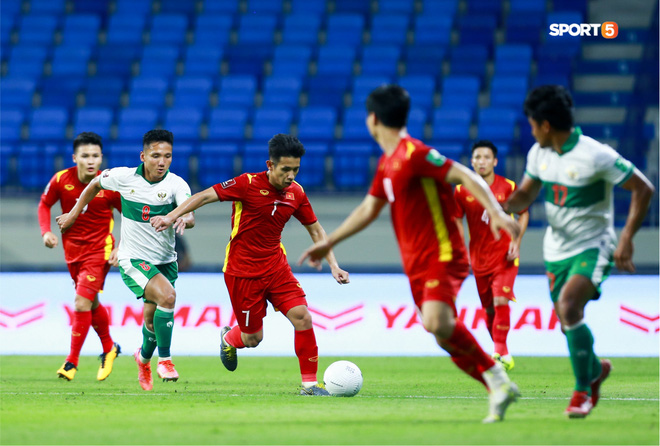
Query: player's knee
x: 439, y: 327
x: 569, y: 312
x: 253, y: 339
x: 300, y: 318
x: 169, y: 300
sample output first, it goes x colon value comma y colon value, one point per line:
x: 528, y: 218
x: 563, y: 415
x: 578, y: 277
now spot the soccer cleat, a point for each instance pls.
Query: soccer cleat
x: 107, y: 359
x: 166, y: 371
x: 315, y: 390
x: 499, y: 400
x: 506, y: 361
x: 144, y: 372
x: 227, y: 352
x: 580, y: 405
x: 67, y: 371
x: 595, y: 384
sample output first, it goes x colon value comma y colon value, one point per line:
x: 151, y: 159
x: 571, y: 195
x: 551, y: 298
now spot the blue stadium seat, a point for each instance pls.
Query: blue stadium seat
x: 508, y: 91
x: 178, y: 7
x: 351, y: 165
x: 27, y: 61
x: 433, y: 30
x: 452, y: 151
x: 126, y: 28
x: 513, y: 59
x: 137, y: 7
x: 301, y: 27
x: 421, y: 89
x: 181, y: 154
x: 104, y: 91
x: 36, y: 165
x: 7, y: 152
x: 312, y: 175
x: 579, y: 6
x: 389, y: 28
x: 524, y: 28
x: 309, y: 6
x: 551, y: 61
x: 96, y: 7
x: 477, y: 29
x: 469, y: 59
x: 400, y: 7
x: 328, y: 90
x: 93, y: 119
x: 452, y: 124
x: 380, y: 59
x: 147, y: 91
x: 446, y: 8
x: 282, y: 91
x: 61, y: 90
x: 417, y: 118
x: 363, y: 85
x: 291, y: 60
x: 16, y: 92
x: 351, y: 6
x: 497, y: 124
x: 317, y: 123
x: 527, y: 6
x: 270, y: 121
x: 249, y: 58
x: 213, y: 29
x: 264, y: 7
x: 70, y: 60
x: 37, y: 29
x: 216, y: 163
x: 491, y: 7
x: 551, y: 79
x: 7, y: 24
x: 221, y: 6
x: 123, y: 154
x: 424, y: 59
x: 353, y: 124
x: 254, y: 157
x: 134, y: 122
x: 226, y: 123
x: 202, y: 60
x: 164, y: 57
x: 11, y: 120
x: 336, y: 60
x: 168, y: 29
x: 183, y: 122
x: 345, y: 29
x: 48, y: 124
x: 115, y: 60
x: 81, y: 29
x: 257, y: 29
x: 237, y: 91
x: 12, y: 8
x: 192, y: 91
x: 460, y: 91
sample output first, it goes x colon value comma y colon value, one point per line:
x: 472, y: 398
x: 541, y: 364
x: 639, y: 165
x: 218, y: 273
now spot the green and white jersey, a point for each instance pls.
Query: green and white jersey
x: 578, y: 194
x: 141, y: 200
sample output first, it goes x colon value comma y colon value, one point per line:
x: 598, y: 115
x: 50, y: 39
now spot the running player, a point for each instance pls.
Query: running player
x: 494, y: 262
x: 147, y: 259
x: 256, y: 268
x: 578, y: 174
x: 88, y: 249
x: 415, y: 179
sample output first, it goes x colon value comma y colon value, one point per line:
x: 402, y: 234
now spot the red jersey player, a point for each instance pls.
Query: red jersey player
x: 256, y: 268
x: 88, y: 248
x: 494, y: 262
x: 415, y: 179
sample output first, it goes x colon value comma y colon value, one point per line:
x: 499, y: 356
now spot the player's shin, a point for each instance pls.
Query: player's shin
x: 500, y: 331
x: 308, y: 355
x: 148, y: 343
x: 580, y: 345
x: 101, y: 324
x: 81, y: 322
x: 163, y: 326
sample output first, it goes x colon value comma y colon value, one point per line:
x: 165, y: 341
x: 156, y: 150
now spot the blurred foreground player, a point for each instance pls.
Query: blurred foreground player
x: 88, y: 249
x: 415, y: 179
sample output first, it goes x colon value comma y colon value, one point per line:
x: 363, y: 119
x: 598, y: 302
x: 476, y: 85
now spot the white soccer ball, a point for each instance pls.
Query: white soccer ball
x: 343, y: 378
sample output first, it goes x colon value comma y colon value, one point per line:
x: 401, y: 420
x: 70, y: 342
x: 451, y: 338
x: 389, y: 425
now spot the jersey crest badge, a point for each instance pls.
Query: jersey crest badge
x: 289, y: 196
x: 91, y: 278
x: 162, y: 195
x: 264, y: 192
x: 106, y: 173
x: 432, y: 283
x: 69, y: 187
x: 435, y: 158
x: 469, y: 198
x: 228, y: 183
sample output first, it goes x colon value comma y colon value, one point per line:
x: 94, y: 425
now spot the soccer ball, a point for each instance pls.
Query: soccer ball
x: 343, y: 378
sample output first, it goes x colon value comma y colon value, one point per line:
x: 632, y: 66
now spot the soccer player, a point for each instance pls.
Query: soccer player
x: 88, y: 249
x: 147, y: 259
x: 256, y: 268
x: 494, y: 262
x: 415, y: 179
x: 578, y: 174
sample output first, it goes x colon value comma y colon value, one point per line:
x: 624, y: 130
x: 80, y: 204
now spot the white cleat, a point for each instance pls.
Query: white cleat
x: 499, y: 400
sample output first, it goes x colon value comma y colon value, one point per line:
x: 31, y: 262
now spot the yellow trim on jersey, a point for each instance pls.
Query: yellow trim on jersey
x: 516, y: 261
x: 283, y: 248
x: 441, y: 233
x: 108, y: 240
x: 511, y: 183
x: 458, y: 187
x: 250, y: 177
x: 59, y: 174
x: 299, y: 185
x: 410, y: 148
x: 237, y: 220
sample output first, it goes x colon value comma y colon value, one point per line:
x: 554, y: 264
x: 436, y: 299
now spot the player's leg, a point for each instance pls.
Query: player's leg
x: 81, y: 320
x: 160, y: 291
x: 502, y: 289
x: 485, y: 291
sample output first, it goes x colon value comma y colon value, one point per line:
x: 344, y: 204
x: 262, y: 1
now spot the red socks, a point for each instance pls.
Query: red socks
x: 233, y: 337
x: 467, y: 354
x: 101, y: 324
x: 81, y: 323
x: 501, y: 328
x: 308, y: 354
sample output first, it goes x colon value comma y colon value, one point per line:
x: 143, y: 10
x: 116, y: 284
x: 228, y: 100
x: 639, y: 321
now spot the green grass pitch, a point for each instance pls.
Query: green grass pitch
x: 404, y: 400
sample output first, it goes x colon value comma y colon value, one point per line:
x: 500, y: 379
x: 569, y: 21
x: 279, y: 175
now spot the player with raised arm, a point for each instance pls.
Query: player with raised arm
x: 147, y: 259
x: 578, y: 174
x: 88, y: 249
x: 494, y: 262
x: 256, y: 267
x: 416, y: 180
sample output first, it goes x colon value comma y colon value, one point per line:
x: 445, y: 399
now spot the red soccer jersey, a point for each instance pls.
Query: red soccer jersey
x: 412, y: 179
x: 486, y: 254
x: 259, y: 213
x: 91, y: 234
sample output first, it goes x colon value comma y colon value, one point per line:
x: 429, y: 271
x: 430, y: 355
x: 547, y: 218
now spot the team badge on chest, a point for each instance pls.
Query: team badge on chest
x: 161, y: 195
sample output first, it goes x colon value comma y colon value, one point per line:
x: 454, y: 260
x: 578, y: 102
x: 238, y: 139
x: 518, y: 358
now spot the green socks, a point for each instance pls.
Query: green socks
x: 586, y: 365
x: 148, y: 343
x: 163, y: 325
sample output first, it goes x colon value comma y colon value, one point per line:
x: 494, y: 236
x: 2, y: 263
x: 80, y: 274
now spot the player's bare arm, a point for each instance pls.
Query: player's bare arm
x: 523, y: 196
x: 641, y: 193
x: 198, y: 200
x: 65, y: 221
x: 459, y: 174
x: 514, y: 248
x: 360, y: 218
x: 317, y: 233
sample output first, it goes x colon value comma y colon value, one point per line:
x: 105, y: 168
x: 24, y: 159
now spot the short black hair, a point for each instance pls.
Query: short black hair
x: 391, y: 104
x: 159, y: 135
x: 85, y: 138
x: 284, y: 145
x: 485, y: 143
x: 552, y: 103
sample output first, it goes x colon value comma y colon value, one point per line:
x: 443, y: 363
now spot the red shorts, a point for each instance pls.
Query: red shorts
x: 441, y: 286
x: 89, y: 276
x: 497, y: 284
x: 249, y: 296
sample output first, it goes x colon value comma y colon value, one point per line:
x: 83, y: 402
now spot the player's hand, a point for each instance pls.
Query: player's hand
x: 50, y: 240
x: 161, y: 222
x: 179, y: 225
x: 65, y: 221
x: 501, y: 221
x: 114, y: 259
x: 623, y: 256
x: 514, y: 251
x: 340, y: 275
x: 315, y: 253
